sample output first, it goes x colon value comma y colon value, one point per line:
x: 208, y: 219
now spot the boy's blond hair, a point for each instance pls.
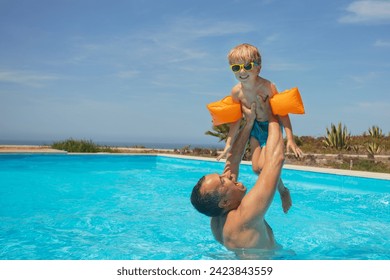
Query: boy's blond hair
x: 245, y: 53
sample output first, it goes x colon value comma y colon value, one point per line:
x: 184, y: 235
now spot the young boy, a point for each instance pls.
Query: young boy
x: 245, y: 62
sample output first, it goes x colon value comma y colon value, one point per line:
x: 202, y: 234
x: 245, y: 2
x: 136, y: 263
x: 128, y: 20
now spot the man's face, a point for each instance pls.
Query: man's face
x: 227, y: 189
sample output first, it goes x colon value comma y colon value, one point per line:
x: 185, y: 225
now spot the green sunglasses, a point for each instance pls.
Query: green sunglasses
x: 247, y: 67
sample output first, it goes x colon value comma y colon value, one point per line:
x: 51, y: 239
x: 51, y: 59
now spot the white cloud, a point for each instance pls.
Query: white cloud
x: 174, y: 41
x: 127, y: 74
x: 25, y: 78
x: 373, y: 106
x: 382, y: 43
x: 377, y: 111
x: 376, y: 11
x: 193, y: 28
x: 271, y: 39
x: 285, y: 66
x: 364, y: 78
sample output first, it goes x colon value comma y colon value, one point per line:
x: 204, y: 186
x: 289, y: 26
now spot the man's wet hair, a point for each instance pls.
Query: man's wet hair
x: 206, y: 203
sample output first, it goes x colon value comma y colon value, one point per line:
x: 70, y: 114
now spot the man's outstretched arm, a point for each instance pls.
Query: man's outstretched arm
x: 256, y: 203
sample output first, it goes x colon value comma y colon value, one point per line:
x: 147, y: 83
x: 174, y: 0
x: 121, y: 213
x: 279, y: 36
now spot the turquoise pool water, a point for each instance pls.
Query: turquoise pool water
x: 137, y: 207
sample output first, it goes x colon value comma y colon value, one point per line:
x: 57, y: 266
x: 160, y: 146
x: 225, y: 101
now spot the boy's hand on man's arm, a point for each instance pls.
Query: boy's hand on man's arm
x: 224, y: 153
x: 292, y: 146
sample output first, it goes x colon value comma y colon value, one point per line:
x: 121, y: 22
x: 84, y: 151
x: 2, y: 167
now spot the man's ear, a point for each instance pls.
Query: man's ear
x: 224, y: 203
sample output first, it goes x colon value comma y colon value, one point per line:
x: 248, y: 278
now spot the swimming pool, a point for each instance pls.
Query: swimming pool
x: 137, y: 208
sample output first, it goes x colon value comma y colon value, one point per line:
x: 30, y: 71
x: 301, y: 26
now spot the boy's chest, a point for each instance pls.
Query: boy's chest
x: 259, y: 96
x: 261, y: 101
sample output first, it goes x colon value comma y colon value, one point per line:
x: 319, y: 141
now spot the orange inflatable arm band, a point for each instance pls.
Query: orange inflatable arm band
x: 225, y: 110
x: 287, y: 102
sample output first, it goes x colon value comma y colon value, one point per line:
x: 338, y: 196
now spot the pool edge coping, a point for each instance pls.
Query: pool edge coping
x: 364, y: 174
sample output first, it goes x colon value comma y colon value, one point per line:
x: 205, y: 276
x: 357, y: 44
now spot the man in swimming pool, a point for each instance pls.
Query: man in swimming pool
x: 237, y: 218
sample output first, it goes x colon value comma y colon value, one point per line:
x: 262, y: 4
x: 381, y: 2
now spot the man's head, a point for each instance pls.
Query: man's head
x: 216, y: 194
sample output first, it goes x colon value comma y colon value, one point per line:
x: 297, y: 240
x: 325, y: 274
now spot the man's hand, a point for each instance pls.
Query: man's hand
x: 249, y: 113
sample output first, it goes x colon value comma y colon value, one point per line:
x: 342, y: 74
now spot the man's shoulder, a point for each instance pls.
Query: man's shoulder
x: 238, y: 231
x: 233, y: 221
x: 217, y: 227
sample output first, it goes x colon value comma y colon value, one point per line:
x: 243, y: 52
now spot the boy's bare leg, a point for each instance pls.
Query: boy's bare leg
x: 255, y: 155
x: 284, y: 196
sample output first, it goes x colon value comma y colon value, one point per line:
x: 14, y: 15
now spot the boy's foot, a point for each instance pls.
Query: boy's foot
x: 286, y: 200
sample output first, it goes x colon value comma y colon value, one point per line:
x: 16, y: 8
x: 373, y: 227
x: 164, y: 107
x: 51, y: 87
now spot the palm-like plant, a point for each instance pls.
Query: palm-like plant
x: 374, y: 146
x: 375, y: 132
x: 337, y: 137
x: 220, y: 131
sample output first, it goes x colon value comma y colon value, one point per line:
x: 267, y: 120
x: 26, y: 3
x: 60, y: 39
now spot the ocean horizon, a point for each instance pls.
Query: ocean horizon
x: 149, y: 145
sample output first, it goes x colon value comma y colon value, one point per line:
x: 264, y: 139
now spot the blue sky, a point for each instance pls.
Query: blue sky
x: 143, y: 71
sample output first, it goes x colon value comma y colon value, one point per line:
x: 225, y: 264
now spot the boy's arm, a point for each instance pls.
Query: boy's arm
x: 290, y: 145
x: 233, y: 127
x: 285, y: 120
x: 233, y: 130
x: 235, y: 155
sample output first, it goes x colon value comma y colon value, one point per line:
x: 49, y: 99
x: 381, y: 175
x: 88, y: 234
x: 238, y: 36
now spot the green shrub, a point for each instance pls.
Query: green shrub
x: 80, y: 146
x: 362, y: 165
